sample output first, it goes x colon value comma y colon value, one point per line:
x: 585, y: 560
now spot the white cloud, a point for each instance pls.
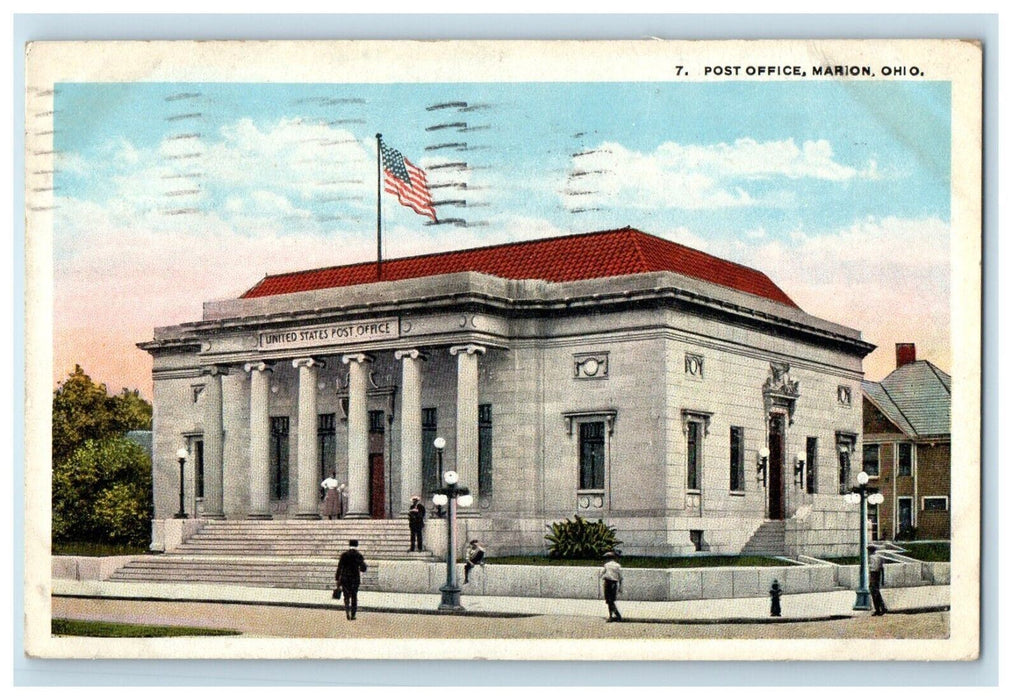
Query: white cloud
x: 699, y: 177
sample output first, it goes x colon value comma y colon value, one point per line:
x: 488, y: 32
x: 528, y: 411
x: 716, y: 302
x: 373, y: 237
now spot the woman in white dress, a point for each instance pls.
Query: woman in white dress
x: 331, y: 502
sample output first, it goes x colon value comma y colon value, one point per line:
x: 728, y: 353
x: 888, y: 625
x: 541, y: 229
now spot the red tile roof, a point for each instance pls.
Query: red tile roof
x: 564, y: 259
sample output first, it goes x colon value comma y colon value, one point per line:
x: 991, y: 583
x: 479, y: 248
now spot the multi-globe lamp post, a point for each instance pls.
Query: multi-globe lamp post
x: 863, y: 495
x: 182, y: 456
x: 450, y: 496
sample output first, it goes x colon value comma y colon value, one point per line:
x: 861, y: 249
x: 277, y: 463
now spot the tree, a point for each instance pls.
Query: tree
x: 102, y: 482
x: 102, y: 493
x: 82, y: 411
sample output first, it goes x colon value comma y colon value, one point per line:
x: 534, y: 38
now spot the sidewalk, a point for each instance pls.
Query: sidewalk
x: 801, y: 607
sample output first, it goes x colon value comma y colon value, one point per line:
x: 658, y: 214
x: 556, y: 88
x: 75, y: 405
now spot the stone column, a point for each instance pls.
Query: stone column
x: 410, y: 425
x: 467, y: 417
x: 212, y: 505
x: 307, y: 438
x: 357, y: 436
x: 259, y: 471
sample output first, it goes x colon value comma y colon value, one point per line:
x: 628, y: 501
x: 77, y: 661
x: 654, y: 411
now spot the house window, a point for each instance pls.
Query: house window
x: 811, y: 465
x: 485, y: 450
x: 429, y: 465
x: 872, y: 459
x: 935, y: 503
x: 905, y: 450
x: 592, y: 455
x: 693, y: 456
x: 376, y: 421
x: 279, y: 456
x: 736, y: 477
x: 326, y: 444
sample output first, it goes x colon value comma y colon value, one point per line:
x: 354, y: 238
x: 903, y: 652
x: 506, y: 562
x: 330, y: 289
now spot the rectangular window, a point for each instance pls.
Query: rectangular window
x: 592, y: 455
x: 485, y: 449
x: 429, y: 465
x: 811, y: 474
x: 199, y: 452
x: 376, y: 421
x: 326, y: 444
x: 935, y: 503
x: 905, y: 458
x: 905, y: 518
x: 736, y: 478
x: 279, y: 456
x: 872, y: 459
x: 693, y: 456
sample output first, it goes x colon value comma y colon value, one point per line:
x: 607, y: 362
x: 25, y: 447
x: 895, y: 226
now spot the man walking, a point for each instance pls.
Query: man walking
x: 611, y: 576
x: 877, y: 570
x: 416, y: 517
x: 348, y: 577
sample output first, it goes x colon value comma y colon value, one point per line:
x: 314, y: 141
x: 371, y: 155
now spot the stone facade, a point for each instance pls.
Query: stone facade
x: 644, y: 356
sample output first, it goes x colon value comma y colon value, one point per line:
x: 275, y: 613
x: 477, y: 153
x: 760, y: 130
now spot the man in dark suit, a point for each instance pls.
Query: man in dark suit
x: 416, y: 517
x: 348, y: 577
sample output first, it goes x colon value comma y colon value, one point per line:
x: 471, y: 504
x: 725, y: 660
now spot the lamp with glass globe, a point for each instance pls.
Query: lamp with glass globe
x: 182, y: 456
x: 863, y: 496
x: 450, y: 495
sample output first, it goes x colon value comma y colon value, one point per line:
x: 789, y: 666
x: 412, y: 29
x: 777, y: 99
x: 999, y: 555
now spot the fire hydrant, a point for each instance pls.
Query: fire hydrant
x: 776, y: 599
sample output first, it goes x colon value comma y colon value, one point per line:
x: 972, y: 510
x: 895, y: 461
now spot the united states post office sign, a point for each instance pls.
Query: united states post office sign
x: 330, y: 334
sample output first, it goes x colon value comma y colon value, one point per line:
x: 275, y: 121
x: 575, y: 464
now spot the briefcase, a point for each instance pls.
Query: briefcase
x: 337, y: 593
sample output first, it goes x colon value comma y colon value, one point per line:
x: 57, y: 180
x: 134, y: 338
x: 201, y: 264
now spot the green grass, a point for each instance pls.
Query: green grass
x: 645, y: 562
x: 842, y: 560
x: 928, y: 551
x: 97, y: 549
x: 88, y: 628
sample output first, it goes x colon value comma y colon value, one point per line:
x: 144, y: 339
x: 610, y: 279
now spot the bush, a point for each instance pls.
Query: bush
x: 101, y: 493
x: 580, y: 539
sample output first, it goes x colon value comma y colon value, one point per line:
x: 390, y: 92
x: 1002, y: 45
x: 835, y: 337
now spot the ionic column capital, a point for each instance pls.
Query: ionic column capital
x: 257, y: 367
x: 214, y: 370
x: 409, y: 355
x: 307, y: 362
x: 469, y: 348
x: 358, y: 358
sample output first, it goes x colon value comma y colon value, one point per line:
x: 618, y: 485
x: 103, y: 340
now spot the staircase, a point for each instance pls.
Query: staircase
x: 274, y: 553
x: 769, y: 539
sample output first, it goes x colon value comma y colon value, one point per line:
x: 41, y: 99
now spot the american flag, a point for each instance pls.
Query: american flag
x: 407, y: 182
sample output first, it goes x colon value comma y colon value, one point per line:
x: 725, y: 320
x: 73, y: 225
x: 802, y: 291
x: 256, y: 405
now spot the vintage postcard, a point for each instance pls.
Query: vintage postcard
x: 503, y: 350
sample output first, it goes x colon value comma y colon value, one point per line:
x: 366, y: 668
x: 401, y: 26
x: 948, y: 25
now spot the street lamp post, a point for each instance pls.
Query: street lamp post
x: 450, y: 495
x: 182, y: 456
x: 863, y: 495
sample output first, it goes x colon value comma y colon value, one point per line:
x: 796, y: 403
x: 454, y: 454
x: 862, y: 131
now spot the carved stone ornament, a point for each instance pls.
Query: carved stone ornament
x: 694, y: 365
x: 780, y: 391
x: 845, y: 395
x: 591, y: 365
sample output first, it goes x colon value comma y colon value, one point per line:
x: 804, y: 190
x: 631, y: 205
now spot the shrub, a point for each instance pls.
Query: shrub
x: 580, y: 539
x: 101, y: 493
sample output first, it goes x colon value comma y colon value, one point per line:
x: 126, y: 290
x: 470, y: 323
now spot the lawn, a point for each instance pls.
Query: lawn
x: 97, y: 549
x: 646, y: 562
x: 928, y: 551
x: 89, y: 628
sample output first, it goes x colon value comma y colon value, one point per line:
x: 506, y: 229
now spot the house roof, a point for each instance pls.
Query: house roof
x: 585, y: 256
x: 917, y: 397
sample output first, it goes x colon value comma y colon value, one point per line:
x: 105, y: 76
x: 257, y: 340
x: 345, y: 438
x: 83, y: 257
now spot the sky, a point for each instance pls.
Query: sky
x: 169, y: 195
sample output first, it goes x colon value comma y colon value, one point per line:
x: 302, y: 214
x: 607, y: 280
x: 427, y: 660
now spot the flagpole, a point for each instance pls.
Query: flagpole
x: 378, y: 185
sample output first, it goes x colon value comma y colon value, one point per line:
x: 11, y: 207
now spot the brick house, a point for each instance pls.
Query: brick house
x: 907, y: 446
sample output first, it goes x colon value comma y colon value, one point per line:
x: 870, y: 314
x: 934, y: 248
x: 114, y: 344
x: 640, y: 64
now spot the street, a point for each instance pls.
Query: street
x: 281, y: 621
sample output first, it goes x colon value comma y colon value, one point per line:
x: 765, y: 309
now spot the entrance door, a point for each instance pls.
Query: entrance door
x: 776, y: 465
x: 377, y: 489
